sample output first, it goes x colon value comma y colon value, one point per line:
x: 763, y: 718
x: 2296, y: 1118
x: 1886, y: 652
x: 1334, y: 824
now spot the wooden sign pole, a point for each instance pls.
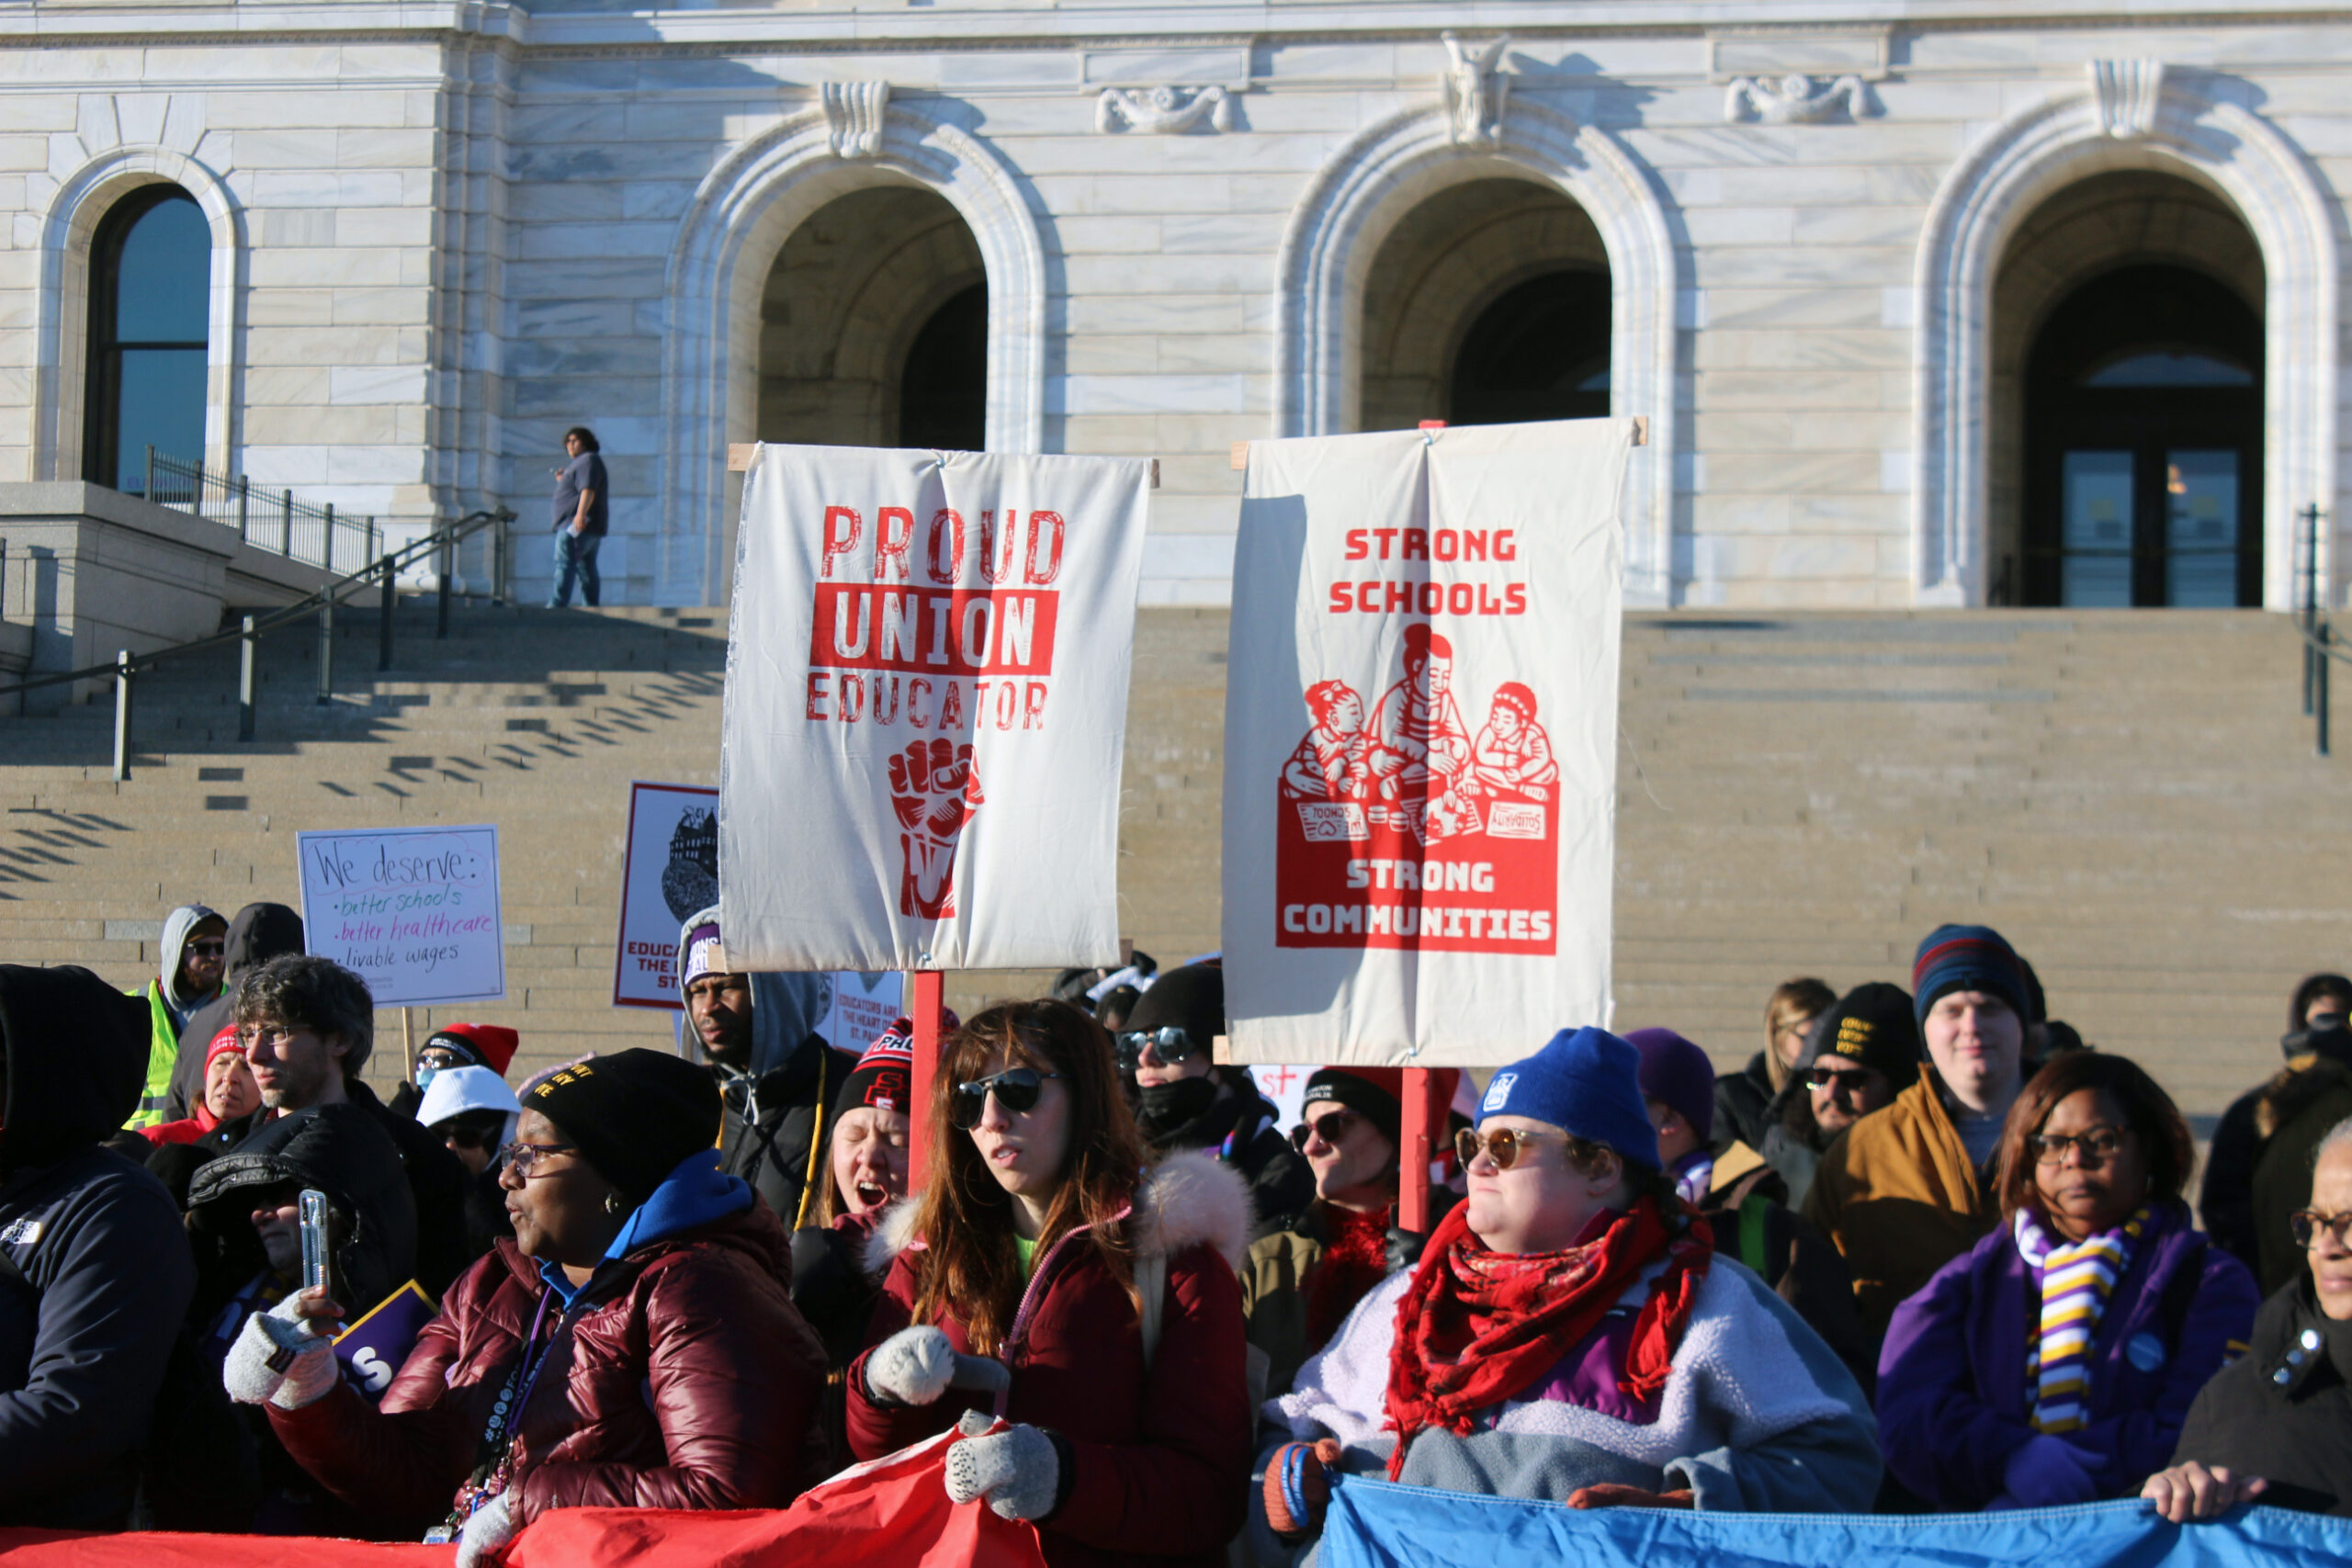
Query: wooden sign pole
x: 926, y: 994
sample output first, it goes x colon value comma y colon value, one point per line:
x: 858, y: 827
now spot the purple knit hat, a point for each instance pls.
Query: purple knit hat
x: 1678, y: 1073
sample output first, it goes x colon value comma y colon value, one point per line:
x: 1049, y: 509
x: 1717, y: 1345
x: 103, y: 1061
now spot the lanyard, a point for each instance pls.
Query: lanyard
x: 493, y: 1471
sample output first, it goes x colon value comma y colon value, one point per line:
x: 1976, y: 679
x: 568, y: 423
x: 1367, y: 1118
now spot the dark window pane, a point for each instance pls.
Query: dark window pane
x: 164, y: 277
x: 2201, y: 528
x: 2169, y: 368
x: 2098, y: 530
x: 163, y: 407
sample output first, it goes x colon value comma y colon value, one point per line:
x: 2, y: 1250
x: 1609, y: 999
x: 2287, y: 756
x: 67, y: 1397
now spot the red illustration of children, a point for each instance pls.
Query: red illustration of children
x: 1332, y: 761
x: 1419, y: 745
x: 1513, y: 754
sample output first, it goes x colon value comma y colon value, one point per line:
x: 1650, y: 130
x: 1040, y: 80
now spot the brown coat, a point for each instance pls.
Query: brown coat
x: 1897, y: 1193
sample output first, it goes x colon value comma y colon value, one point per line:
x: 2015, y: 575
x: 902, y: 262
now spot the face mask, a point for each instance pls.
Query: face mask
x: 425, y: 1073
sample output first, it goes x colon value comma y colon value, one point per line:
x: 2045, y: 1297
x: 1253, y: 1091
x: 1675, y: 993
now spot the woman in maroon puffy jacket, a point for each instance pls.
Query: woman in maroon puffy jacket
x: 1039, y: 1279
x: 634, y: 1346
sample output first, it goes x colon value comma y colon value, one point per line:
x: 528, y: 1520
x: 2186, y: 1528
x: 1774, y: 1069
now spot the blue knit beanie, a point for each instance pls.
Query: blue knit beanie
x: 1587, y: 1082
x: 1966, y: 958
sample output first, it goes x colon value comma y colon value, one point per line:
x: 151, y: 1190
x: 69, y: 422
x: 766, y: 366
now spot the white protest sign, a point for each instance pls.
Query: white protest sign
x: 926, y: 707
x: 671, y: 872
x: 413, y: 911
x: 1420, y: 767
x: 863, y: 1005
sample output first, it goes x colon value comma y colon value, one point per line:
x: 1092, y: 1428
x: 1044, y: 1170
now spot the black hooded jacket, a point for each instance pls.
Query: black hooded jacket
x: 340, y: 1150
x: 258, y: 934
x: 95, y: 1271
x: 770, y: 1123
x: 1225, y: 1114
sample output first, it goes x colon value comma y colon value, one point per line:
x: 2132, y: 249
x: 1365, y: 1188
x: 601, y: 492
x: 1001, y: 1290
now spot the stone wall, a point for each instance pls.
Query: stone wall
x: 446, y: 232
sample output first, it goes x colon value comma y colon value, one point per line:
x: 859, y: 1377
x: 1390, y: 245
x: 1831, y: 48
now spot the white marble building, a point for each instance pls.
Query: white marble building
x: 1961, y: 309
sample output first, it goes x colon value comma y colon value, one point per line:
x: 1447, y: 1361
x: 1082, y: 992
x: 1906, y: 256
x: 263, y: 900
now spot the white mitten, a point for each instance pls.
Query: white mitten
x: 281, y: 1360
x: 488, y: 1529
x: 915, y: 1366
x: 1016, y: 1470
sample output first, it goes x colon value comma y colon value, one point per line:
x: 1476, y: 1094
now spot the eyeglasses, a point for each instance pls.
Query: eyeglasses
x: 1503, y: 1146
x: 2097, y: 1146
x: 521, y: 1158
x: 1850, y: 1081
x: 1170, y: 1045
x: 1016, y: 1089
x: 207, y: 949
x: 1331, y: 1126
x: 458, y: 1136
x: 2308, y: 1222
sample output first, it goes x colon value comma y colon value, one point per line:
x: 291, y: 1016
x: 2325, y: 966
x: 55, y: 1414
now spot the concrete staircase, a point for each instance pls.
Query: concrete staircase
x: 2131, y: 797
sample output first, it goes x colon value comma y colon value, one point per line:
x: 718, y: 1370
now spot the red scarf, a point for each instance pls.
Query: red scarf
x: 1355, y: 1260
x: 1477, y: 1327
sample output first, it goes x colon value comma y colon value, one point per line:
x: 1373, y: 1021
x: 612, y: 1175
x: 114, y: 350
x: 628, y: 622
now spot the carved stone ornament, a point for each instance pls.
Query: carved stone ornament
x: 2128, y: 91
x: 1474, y: 91
x: 1795, y: 100
x: 1163, y: 111
x: 853, y: 116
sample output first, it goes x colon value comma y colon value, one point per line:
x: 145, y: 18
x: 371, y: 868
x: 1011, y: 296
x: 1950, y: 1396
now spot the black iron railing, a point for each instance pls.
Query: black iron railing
x: 272, y: 520
x: 439, y: 548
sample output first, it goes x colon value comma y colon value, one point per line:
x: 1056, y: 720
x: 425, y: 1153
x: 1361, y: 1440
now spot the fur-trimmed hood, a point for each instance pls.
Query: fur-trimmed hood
x: 1189, y: 1199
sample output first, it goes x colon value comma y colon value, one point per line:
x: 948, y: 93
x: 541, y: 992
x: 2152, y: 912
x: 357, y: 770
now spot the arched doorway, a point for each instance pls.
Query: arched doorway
x: 2143, y: 445
x: 150, y: 282
x: 874, y: 326
x: 1488, y: 302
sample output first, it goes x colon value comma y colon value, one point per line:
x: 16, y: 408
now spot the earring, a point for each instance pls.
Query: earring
x: 613, y: 1203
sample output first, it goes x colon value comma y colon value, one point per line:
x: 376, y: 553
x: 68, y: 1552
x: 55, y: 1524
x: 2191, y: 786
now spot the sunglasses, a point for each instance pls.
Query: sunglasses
x: 1331, y: 1126
x: 1170, y: 1045
x: 2308, y: 1222
x: 1503, y: 1146
x: 207, y: 949
x: 2097, y: 1146
x: 458, y: 1136
x: 1849, y: 1082
x: 1016, y: 1089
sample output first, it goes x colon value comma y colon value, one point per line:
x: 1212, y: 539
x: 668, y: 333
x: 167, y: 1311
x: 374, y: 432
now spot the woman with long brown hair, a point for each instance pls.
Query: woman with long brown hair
x: 1044, y: 1276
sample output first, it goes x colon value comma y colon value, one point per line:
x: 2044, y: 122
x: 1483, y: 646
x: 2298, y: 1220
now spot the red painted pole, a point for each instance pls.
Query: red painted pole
x: 1416, y: 1134
x: 926, y: 994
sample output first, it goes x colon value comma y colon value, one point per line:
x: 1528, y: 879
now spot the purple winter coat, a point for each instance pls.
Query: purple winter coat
x: 1952, y: 1401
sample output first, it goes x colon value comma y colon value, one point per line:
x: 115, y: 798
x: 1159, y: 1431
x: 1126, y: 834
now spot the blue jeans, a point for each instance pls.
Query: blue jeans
x: 575, y: 553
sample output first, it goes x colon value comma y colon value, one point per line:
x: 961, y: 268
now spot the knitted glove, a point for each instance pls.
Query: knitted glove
x: 278, y: 1359
x: 1016, y: 1470
x: 915, y: 1366
x: 1612, y: 1494
x: 2047, y: 1472
x: 488, y: 1529
x: 1298, y: 1486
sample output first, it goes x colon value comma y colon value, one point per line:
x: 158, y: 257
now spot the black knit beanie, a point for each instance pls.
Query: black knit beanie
x: 636, y: 1115
x: 1191, y: 999
x: 1874, y: 1026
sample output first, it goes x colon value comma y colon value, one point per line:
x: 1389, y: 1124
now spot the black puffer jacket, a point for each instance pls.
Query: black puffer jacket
x: 770, y: 1121
x: 340, y: 1150
x: 1230, y: 1119
x: 94, y: 1273
x: 2295, y: 1434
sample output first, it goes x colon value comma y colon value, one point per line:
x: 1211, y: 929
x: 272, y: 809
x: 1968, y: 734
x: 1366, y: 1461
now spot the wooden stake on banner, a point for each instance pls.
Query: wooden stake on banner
x: 408, y: 1039
x: 1417, y: 1134
x: 926, y: 995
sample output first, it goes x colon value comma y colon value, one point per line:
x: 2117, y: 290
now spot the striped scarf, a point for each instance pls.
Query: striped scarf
x: 2075, y: 1279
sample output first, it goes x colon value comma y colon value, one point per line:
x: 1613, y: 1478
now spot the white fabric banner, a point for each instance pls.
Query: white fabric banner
x: 926, y: 708
x: 1420, y: 762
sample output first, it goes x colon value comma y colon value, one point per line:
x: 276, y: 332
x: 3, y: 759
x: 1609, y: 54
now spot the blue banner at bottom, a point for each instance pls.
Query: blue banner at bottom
x: 1372, y: 1524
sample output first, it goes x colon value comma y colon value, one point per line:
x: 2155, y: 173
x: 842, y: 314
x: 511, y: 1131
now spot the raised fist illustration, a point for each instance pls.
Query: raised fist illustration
x: 936, y: 792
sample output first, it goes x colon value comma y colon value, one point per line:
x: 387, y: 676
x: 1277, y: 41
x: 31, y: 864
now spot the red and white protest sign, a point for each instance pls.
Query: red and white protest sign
x: 926, y: 709
x: 1420, y: 769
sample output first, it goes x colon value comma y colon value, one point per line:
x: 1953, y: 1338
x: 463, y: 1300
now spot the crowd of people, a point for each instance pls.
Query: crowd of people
x: 1927, y: 1252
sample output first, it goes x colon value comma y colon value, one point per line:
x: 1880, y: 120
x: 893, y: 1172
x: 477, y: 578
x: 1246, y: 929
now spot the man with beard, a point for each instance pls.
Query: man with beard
x: 1184, y: 1100
x: 781, y: 1087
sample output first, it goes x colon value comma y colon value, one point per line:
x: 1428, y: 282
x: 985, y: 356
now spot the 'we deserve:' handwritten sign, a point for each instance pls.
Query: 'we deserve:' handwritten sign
x: 414, y: 911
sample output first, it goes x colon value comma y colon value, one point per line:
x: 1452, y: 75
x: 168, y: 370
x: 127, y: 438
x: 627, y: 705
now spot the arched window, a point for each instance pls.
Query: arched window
x: 150, y: 283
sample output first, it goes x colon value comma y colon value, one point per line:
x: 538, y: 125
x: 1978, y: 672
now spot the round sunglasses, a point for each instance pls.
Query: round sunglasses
x: 1331, y: 1126
x: 1170, y: 1045
x: 1503, y: 1146
x: 1016, y: 1090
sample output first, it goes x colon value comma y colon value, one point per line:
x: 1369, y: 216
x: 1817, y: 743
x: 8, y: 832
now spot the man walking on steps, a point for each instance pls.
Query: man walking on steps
x: 581, y: 510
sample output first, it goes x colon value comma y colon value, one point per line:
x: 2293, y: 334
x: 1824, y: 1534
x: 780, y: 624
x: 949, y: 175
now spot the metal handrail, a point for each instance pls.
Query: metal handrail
x: 384, y: 571
x: 267, y: 520
x: 2320, y: 647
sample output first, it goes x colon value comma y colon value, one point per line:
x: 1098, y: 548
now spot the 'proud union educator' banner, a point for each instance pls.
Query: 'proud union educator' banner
x: 1420, y: 742
x: 926, y: 709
